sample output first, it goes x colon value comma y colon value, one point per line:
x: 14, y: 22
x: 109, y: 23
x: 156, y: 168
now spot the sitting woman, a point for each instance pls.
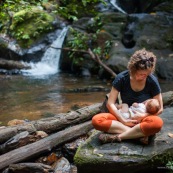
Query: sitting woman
x: 137, y: 84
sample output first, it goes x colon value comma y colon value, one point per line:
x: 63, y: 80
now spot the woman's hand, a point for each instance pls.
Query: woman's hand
x: 160, y: 111
x: 129, y: 122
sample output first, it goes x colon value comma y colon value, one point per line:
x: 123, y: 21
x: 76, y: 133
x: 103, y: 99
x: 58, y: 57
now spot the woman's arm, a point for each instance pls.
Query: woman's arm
x: 113, y: 110
x: 159, y: 98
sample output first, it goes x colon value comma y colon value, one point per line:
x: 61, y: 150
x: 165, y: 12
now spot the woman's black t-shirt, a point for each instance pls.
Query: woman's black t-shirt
x: 122, y: 84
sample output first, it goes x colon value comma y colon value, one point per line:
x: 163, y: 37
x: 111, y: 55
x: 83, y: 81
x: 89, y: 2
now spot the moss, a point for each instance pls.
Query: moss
x: 29, y: 25
x: 3, y: 44
x: 162, y: 159
x: 94, y: 158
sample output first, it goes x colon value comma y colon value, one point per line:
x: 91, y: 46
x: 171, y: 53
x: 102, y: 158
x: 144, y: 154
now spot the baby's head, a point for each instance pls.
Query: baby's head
x: 152, y: 106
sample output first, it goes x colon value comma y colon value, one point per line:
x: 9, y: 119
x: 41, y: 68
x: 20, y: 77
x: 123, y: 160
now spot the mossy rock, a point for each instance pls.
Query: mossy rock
x: 165, y: 7
x: 29, y: 25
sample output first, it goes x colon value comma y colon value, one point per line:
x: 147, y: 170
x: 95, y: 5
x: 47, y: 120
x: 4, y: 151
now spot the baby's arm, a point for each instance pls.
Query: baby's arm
x: 139, y: 116
x: 135, y: 105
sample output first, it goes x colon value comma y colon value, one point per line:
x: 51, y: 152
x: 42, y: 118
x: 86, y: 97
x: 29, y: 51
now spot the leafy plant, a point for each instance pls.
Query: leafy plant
x: 74, y: 9
x: 9, y: 7
x: 82, y: 41
x: 169, y: 165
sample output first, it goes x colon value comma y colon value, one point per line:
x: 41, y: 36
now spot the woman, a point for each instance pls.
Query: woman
x: 136, y: 84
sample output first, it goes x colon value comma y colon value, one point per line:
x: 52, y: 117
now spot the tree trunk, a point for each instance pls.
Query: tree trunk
x: 44, y: 145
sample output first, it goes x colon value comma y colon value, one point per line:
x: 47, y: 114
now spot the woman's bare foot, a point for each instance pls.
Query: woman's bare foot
x: 108, y: 138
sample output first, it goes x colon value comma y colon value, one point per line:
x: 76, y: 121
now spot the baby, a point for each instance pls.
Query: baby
x: 150, y: 107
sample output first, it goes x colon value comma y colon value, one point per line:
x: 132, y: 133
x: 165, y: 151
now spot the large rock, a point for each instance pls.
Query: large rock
x: 128, y: 156
x: 138, y: 6
x: 150, y: 31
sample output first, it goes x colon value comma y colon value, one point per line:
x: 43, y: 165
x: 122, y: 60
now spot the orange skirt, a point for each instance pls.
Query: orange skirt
x: 149, y: 125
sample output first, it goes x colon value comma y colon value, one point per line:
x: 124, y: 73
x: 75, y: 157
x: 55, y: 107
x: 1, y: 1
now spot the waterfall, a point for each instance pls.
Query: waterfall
x: 114, y: 3
x: 49, y: 63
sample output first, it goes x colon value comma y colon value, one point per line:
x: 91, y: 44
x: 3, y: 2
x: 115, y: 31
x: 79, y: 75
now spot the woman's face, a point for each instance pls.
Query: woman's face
x: 141, y: 75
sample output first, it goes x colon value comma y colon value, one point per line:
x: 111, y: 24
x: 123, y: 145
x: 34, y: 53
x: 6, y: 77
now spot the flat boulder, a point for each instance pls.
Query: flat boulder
x: 128, y: 156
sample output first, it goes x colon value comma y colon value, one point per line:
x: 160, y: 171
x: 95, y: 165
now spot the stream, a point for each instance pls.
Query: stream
x: 27, y: 97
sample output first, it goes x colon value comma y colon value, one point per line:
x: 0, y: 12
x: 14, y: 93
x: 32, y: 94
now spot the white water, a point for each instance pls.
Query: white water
x: 114, y: 3
x: 49, y: 63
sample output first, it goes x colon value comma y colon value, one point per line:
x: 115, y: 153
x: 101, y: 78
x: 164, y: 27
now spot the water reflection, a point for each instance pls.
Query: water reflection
x: 30, y: 98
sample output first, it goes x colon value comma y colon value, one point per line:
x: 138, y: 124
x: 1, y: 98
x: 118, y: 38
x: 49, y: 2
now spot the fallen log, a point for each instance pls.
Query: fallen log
x: 29, y: 168
x: 44, y: 145
x: 20, y: 140
x: 52, y: 124
x: 11, y: 64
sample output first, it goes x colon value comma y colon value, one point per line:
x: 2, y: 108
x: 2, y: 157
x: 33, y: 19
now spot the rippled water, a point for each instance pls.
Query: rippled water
x: 24, y: 97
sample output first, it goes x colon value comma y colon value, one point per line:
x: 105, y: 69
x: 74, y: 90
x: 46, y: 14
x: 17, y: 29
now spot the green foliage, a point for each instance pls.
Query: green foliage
x: 83, y: 41
x: 28, y: 25
x: 169, y: 165
x: 9, y: 7
x: 12, y: 24
x: 74, y: 9
x: 96, y: 24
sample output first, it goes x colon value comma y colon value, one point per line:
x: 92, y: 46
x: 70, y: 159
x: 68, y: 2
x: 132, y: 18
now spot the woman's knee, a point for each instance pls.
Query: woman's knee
x: 101, y: 122
x: 151, y: 125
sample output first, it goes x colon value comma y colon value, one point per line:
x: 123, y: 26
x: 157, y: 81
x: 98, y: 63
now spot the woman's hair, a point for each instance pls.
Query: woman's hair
x: 142, y: 60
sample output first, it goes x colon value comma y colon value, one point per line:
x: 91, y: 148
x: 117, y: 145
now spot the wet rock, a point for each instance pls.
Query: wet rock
x: 165, y: 69
x: 62, y: 165
x: 138, y: 6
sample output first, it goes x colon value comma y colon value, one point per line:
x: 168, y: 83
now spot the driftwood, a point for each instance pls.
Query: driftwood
x: 20, y: 140
x: 29, y: 168
x: 44, y: 145
x: 10, y: 65
x: 53, y: 124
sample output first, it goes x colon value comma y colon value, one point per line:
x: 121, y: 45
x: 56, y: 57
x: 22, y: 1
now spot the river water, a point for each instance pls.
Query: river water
x: 27, y: 97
